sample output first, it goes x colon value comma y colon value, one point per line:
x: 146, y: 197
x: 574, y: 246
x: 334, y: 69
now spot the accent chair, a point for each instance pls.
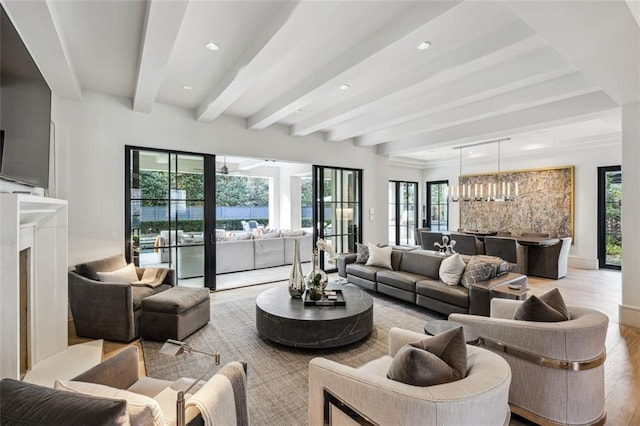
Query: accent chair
x: 507, y: 249
x: 558, y: 367
x: 428, y: 238
x: 480, y: 398
x: 550, y: 262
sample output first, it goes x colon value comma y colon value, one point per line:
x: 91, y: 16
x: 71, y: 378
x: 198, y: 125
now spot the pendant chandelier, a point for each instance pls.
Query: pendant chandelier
x: 500, y: 190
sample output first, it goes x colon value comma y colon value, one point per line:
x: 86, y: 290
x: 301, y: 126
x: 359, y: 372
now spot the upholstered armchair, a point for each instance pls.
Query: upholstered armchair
x: 467, y: 244
x: 480, y: 398
x: 418, y: 235
x: 108, y: 310
x: 510, y: 250
x: 557, y: 367
x: 550, y: 262
x: 428, y: 238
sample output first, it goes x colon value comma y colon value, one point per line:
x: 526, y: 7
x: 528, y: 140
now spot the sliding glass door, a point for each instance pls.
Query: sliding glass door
x: 609, y: 210
x: 170, y: 209
x: 337, y: 213
x: 403, y: 212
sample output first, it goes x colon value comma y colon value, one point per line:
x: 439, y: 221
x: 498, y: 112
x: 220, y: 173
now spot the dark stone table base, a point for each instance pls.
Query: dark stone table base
x: 287, y: 321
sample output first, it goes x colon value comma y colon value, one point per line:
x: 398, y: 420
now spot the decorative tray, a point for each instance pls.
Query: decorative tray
x: 329, y: 298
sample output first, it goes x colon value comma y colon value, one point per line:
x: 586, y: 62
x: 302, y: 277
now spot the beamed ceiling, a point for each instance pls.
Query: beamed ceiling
x: 550, y: 75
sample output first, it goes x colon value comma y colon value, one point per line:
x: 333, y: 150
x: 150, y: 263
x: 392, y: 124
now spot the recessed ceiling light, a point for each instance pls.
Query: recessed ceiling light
x: 212, y: 46
x: 344, y: 87
x: 187, y: 87
x: 424, y: 45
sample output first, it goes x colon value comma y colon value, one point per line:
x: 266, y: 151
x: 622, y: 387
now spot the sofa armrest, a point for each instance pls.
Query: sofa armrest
x: 504, y: 308
x: 101, y: 310
x: 343, y: 261
x: 480, y: 292
x: 120, y: 371
x: 398, y: 337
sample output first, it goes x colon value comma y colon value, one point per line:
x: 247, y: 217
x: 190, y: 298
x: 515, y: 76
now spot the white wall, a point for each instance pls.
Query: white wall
x: 584, y: 251
x: 91, y: 136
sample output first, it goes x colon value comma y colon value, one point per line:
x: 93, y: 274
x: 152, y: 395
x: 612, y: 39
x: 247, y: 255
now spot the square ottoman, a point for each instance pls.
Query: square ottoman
x: 175, y: 313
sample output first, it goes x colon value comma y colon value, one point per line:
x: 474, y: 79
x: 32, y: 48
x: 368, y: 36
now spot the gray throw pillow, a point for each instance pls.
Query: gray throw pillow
x: 549, y: 307
x: 362, y: 254
x: 24, y: 403
x: 500, y: 267
x: 476, y: 271
x: 432, y: 361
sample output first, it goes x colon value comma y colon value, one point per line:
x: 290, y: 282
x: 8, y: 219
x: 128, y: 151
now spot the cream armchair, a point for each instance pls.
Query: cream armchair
x: 558, y: 367
x: 479, y: 399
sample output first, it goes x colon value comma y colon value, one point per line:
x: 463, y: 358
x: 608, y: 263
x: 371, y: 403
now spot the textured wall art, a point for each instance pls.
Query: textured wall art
x: 544, y: 205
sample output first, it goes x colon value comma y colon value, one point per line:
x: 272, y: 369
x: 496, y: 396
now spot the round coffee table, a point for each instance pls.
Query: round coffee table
x: 289, y: 322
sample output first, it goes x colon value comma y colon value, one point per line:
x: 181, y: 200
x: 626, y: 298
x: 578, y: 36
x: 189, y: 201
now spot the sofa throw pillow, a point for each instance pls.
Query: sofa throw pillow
x: 23, y: 403
x: 451, y: 269
x: 432, y: 361
x: 549, y: 307
x: 379, y: 256
x: 476, y: 271
x: 142, y: 410
x: 362, y: 254
x: 127, y: 275
x: 500, y: 267
x: 152, y: 277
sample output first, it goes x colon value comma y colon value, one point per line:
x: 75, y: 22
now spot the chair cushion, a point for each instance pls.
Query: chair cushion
x: 549, y: 307
x: 432, y: 361
x: 379, y: 256
x: 125, y: 275
x: 23, y: 403
x: 140, y: 293
x: 142, y: 410
x: 90, y: 269
x: 455, y: 295
x: 451, y: 269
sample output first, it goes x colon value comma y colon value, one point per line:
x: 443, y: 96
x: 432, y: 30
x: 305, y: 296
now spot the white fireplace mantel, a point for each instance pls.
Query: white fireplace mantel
x: 39, y: 223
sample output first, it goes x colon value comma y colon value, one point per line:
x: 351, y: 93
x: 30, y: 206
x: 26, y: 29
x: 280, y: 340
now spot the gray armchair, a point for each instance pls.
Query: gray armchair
x: 508, y: 249
x: 558, y: 367
x: 428, y: 238
x: 480, y: 398
x: 104, y: 310
x: 550, y: 262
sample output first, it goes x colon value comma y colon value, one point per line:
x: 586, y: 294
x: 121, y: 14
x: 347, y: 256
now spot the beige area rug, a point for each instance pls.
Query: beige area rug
x: 277, y: 375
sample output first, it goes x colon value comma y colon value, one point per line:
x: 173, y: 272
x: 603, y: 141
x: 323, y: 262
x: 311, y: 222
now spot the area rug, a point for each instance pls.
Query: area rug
x: 277, y: 375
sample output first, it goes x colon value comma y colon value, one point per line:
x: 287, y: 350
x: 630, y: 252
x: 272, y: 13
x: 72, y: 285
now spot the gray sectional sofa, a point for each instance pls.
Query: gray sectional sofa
x: 414, y: 278
x: 257, y: 253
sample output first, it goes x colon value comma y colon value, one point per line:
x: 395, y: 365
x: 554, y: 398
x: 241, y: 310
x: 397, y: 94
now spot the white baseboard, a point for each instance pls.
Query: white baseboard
x: 629, y: 316
x: 583, y: 262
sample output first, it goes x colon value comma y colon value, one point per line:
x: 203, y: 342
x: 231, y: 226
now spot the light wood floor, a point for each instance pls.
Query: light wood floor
x: 595, y: 289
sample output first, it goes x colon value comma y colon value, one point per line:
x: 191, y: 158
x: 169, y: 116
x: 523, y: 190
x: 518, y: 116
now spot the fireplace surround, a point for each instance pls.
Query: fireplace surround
x: 40, y: 225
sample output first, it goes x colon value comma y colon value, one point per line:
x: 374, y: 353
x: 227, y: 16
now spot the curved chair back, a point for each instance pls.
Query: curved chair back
x: 561, y: 363
x: 550, y: 262
x: 418, y: 235
x: 427, y: 239
x: 467, y: 244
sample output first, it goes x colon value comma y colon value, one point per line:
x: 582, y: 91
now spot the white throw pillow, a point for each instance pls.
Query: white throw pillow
x: 379, y: 256
x: 142, y: 409
x: 124, y: 275
x: 452, y: 269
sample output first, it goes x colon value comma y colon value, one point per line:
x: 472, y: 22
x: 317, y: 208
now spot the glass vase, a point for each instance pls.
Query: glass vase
x: 317, y: 278
x: 296, y: 279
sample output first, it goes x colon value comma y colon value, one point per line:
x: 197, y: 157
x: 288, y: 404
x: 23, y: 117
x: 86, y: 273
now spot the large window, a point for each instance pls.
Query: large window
x: 167, y: 217
x: 337, y: 214
x: 609, y: 209
x: 403, y: 212
x: 437, y: 207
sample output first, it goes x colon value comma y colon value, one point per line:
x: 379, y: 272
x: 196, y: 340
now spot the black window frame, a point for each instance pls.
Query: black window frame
x: 427, y: 218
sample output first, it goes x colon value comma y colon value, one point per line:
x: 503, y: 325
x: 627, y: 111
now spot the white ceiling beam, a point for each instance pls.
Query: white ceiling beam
x: 601, y: 38
x: 38, y: 24
x: 274, y: 39
x: 530, y: 119
x: 163, y: 21
x: 515, y: 72
x: 564, y: 87
x: 507, y: 41
x: 416, y: 17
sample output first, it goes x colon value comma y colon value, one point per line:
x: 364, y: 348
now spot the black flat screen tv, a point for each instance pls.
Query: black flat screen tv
x: 25, y: 112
